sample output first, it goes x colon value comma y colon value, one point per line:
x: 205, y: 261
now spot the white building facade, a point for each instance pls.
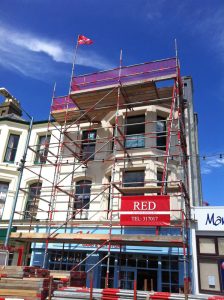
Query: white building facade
x: 80, y: 167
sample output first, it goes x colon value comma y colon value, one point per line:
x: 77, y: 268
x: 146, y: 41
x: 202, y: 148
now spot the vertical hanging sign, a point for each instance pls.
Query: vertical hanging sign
x: 145, y: 211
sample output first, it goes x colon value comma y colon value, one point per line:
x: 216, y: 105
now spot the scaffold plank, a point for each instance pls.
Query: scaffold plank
x: 148, y: 189
x: 120, y: 239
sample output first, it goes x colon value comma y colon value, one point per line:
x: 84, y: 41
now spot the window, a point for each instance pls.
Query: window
x: 42, y: 149
x: 207, y: 245
x: 159, y: 177
x: 82, y: 194
x: 11, y: 148
x: 32, y: 200
x: 134, y: 178
x: 221, y: 246
x: 4, y: 186
x: 88, y: 144
x: 161, y: 133
x: 109, y: 197
x: 209, y: 275
x: 65, y: 260
x: 170, y: 274
x: 135, y: 131
x: 210, y: 261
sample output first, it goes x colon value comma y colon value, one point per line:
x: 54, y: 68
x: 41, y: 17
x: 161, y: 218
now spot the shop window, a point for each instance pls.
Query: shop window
x: 161, y: 133
x: 32, y: 200
x: 153, y: 262
x: 4, y: 186
x: 11, y: 148
x: 165, y: 262
x: 88, y: 144
x: 170, y: 274
x: 65, y: 260
x: 135, y: 132
x: 42, y: 149
x: 142, y: 263
x: 82, y: 194
x: 103, y: 276
x: 207, y: 246
x: 209, y: 275
x: 221, y: 246
x: 133, y: 178
x: 166, y: 276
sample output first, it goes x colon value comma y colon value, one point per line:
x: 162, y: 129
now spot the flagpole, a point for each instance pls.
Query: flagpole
x: 73, y: 64
x: 121, y: 57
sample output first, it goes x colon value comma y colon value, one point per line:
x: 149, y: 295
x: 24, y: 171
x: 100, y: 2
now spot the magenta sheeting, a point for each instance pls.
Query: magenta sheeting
x: 62, y: 103
x: 150, y: 70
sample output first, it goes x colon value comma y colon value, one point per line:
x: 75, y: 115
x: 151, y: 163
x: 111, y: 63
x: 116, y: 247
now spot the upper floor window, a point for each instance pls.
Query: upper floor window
x: 135, y: 132
x: 11, y: 148
x: 161, y: 133
x: 32, y: 200
x: 134, y: 178
x: 13, y: 142
x: 4, y: 186
x: 159, y: 177
x: 82, y: 194
x: 88, y: 144
x: 42, y: 149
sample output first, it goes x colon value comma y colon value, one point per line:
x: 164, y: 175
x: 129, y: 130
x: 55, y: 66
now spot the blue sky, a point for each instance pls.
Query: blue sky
x: 37, y: 39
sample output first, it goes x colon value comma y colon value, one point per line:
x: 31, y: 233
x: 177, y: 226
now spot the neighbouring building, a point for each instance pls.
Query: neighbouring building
x: 208, y: 249
x: 110, y: 179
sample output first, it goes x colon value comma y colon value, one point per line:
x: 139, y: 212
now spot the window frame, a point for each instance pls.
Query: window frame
x: 209, y: 257
x: 129, y: 184
x: 88, y: 185
x: 88, y: 142
x: 2, y: 201
x: 38, y: 156
x: 32, y: 201
x: 207, y: 253
x: 13, y: 148
x: 133, y: 126
x: 161, y: 135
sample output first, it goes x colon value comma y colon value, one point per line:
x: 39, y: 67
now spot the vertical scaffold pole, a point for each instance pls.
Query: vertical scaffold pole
x: 113, y: 171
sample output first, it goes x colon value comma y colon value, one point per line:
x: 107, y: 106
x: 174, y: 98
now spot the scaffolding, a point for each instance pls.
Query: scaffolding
x: 90, y: 130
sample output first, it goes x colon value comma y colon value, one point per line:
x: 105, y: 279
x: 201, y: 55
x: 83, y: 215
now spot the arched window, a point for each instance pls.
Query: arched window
x: 32, y: 200
x: 82, y: 194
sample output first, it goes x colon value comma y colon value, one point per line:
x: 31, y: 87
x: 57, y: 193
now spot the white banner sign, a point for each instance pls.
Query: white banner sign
x: 210, y: 218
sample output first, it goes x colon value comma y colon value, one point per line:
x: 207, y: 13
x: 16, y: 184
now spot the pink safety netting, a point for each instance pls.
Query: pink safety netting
x: 127, y: 74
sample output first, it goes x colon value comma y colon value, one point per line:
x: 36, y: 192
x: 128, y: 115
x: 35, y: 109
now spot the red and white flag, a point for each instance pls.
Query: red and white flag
x: 83, y: 40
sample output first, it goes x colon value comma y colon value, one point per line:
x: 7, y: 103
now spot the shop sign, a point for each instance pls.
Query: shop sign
x: 145, y: 211
x: 210, y: 218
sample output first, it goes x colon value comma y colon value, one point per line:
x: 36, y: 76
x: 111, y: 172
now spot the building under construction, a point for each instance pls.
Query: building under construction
x: 110, y: 178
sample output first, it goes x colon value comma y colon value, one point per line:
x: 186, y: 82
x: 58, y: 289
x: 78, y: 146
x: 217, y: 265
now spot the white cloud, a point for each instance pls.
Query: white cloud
x: 211, y: 163
x: 34, y: 56
x: 206, y: 23
x: 205, y: 171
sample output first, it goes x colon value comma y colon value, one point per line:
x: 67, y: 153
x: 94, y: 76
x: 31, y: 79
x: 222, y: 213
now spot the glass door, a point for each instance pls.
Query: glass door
x: 127, y: 277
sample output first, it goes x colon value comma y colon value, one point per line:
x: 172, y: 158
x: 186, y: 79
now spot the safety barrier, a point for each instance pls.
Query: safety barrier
x: 118, y: 294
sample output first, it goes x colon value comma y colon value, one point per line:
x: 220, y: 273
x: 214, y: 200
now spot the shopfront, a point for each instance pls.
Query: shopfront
x: 209, y: 246
x: 154, y: 268
x: 151, y: 272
